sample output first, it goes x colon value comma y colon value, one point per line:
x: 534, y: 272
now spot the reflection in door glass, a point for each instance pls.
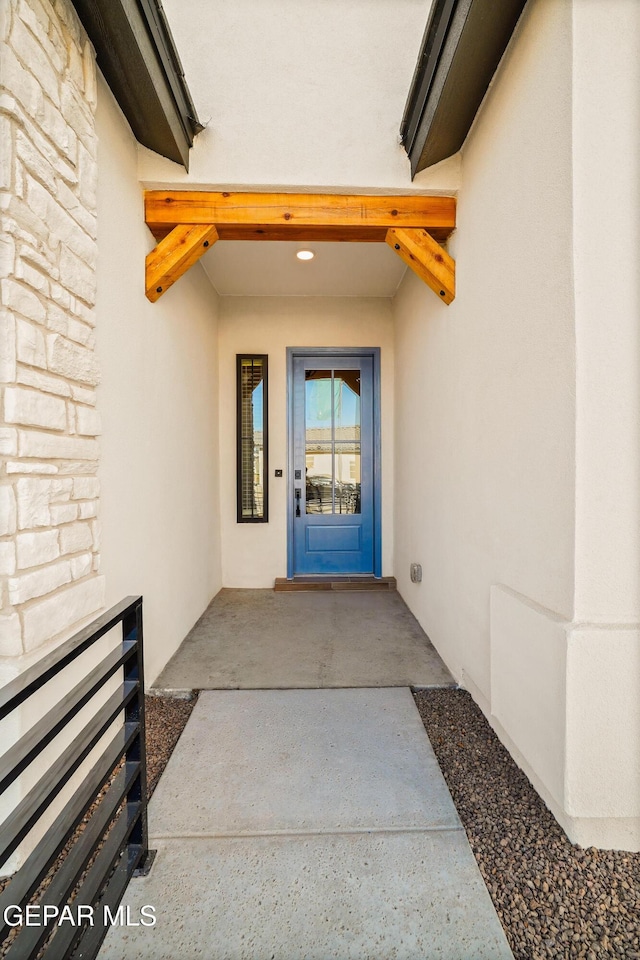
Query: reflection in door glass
x: 332, y: 435
x: 318, y: 400
x: 346, y: 391
x: 347, y: 477
x: 319, y: 491
x: 319, y: 437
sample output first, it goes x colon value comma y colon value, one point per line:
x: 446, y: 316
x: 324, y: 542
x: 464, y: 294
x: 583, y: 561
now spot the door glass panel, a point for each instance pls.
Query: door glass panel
x: 346, y: 403
x: 347, y: 477
x: 319, y: 441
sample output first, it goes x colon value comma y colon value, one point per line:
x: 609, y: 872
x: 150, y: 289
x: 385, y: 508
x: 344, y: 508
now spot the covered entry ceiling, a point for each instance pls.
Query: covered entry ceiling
x: 264, y: 268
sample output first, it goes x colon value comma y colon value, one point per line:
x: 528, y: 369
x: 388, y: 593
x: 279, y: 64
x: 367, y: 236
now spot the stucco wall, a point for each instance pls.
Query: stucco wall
x: 253, y: 555
x: 603, y: 658
x: 528, y: 494
x: 606, y: 192
x: 297, y: 94
x: 159, y: 404
x: 491, y: 377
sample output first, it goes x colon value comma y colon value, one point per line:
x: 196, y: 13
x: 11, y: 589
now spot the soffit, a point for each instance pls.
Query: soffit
x: 267, y: 268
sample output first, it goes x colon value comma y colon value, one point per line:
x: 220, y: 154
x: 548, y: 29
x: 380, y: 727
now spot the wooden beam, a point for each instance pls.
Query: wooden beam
x: 173, y: 256
x: 427, y: 259
x: 285, y: 212
x: 298, y: 234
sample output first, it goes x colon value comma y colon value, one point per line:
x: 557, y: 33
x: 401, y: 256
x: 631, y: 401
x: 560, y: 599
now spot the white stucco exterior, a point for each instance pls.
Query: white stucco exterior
x: 510, y: 456
x: 606, y: 234
x: 603, y: 669
x: 159, y: 399
x: 527, y: 387
x: 493, y: 375
x: 306, y: 95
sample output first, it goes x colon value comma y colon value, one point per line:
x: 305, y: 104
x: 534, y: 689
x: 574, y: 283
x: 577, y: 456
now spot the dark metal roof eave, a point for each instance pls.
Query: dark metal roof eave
x: 138, y: 57
x: 462, y: 46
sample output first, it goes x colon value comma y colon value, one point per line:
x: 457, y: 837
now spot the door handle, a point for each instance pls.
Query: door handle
x: 298, y: 495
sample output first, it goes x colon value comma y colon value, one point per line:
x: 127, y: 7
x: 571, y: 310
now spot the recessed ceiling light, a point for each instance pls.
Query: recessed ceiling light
x: 305, y: 254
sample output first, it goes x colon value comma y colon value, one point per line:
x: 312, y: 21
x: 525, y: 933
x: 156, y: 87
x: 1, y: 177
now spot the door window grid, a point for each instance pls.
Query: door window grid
x: 332, y: 441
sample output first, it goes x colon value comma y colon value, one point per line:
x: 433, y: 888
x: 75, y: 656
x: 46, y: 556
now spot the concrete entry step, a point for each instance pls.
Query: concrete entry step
x: 261, y: 639
x: 282, y: 585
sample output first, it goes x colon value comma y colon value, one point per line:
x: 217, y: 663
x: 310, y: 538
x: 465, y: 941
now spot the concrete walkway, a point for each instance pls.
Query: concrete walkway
x: 258, y: 639
x: 308, y: 824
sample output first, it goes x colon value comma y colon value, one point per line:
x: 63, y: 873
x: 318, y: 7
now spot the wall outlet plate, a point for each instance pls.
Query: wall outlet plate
x: 415, y: 572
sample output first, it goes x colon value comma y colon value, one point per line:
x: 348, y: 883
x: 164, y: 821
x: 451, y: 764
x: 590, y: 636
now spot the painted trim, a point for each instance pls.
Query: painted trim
x: 377, y: 466
x: 374, y: 353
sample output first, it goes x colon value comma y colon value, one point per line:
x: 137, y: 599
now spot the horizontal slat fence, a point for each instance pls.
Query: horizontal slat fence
x: 110, y: 803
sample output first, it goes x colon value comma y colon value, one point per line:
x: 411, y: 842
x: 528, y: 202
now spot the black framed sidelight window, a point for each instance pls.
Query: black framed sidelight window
x: 252, y: 438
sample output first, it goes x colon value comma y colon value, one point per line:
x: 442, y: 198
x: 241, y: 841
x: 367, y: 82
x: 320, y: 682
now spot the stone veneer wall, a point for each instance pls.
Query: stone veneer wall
x: 49, y: 532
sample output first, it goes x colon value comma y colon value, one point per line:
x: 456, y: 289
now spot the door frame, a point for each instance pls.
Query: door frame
x: 374, y: 353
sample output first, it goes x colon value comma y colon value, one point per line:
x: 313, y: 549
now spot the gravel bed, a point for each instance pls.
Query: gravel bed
x: 554, y: 899
x: 166, y: 718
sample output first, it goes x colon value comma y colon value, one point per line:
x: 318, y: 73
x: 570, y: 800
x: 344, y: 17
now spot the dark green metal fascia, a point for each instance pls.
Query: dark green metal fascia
x: 137, y: 55
x: 462, y: 46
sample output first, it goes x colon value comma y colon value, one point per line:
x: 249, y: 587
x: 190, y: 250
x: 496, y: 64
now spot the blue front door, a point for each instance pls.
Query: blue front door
x: 333, y: 449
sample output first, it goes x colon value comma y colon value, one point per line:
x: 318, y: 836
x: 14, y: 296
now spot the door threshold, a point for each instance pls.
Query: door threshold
x: 355, y: 582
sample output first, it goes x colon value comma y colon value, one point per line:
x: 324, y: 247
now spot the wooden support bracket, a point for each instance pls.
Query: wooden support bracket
x: 186, y: 223
x: 174, y: 254
x: 427, y: 259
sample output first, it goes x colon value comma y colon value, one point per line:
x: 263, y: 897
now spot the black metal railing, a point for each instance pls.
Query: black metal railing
x: 87, y: 856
